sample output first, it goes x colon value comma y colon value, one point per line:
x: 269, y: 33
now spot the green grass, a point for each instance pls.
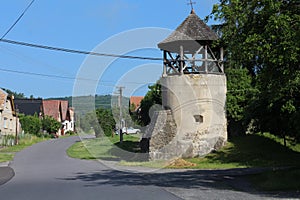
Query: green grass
x: 107, y: 148
x: 251, y: 151
x: 255, y: 150
x: 4, y: 157
x: 240, y: 152
x: 277, y: 180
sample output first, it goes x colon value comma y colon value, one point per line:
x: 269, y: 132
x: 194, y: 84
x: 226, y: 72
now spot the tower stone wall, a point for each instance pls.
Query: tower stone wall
x: 196, y: 103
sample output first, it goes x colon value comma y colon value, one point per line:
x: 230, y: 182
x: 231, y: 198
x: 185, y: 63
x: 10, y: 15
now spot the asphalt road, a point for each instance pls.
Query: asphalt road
x: 44, y: 171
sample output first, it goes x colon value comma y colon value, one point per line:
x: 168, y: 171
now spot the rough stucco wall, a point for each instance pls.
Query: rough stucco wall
x: 190, y: 98
x: 10, y: 122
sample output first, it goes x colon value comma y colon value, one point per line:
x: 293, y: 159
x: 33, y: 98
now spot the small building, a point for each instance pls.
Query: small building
x: 135, y: 103
x: 193, y: 94
x: 59, y: 110
x: 9, y: 122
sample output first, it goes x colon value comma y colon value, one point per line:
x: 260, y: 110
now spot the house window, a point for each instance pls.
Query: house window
x: 198, y: 118
x: 5, y: 125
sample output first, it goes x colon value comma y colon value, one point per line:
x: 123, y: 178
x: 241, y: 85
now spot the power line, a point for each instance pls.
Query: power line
x: 74, y: 51
x: 19, y: 18
x: 77, y: 51
x: 35, y: 74
x: 103, y: 83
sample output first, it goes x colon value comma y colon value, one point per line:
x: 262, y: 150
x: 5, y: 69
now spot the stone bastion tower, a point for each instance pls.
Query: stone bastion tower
x: 193, y: 120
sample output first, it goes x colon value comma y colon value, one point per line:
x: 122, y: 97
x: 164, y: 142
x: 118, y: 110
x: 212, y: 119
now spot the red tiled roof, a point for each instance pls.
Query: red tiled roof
x: 136, y: 100
x: 3, y: 96
x: 64, y: 109
x: 51, y: 108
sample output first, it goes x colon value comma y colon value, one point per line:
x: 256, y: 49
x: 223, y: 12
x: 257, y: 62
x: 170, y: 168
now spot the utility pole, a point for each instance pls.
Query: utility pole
x: 16, y: 116
x: 17, y: 139
x: 120, y: 88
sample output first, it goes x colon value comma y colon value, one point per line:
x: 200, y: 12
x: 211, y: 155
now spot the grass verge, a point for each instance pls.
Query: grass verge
x: 4, y: 157
x: 105, y: 148
x: 251, y: 151
x: 240, y: 152
x: 277, y: 180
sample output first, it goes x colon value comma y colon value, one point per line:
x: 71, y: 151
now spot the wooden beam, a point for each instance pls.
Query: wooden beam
x: 205, y: 57
x: 165, y: 64
x: 222, y: 58
x: 216, y: 60
x: 181, y: 59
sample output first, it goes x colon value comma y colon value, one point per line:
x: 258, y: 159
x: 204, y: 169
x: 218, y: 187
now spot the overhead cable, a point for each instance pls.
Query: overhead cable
x: 77, y: 51
x: 12, y: 26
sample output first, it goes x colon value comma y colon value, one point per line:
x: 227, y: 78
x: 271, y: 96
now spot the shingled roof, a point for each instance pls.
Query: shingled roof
x: 29, y: 106
x: 51, y: 108
x: 64, y: 109
x: 136, y: 100
x: 191, y: 32
x: 58, y: 109
x: 3, y: 96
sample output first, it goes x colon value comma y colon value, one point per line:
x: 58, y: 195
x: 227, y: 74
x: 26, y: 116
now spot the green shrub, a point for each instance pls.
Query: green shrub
x: 50, y: 124
x: 30, y: 124
x: 7, y: 140
x: 70, y: 133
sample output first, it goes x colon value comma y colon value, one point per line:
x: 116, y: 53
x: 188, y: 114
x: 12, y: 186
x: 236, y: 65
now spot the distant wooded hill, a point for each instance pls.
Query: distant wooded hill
x: 101, y: 101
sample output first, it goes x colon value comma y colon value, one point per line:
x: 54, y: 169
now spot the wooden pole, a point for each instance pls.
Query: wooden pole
x: 121, y: 115
x: 17, y: 140
x: 181, y: 59
x: 205, y: 58
x: 222, y: 58
x: 165, y: 64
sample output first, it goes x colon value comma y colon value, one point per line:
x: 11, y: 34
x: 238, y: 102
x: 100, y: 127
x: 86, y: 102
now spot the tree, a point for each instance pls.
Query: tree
x: 101, y: 121
x: 106, y: 120
x: 263, y: 37
x: 15, y: 94
x: 50, y: 124
x: 30, y: 124
x: 152, y: 97
x: 240, y: 92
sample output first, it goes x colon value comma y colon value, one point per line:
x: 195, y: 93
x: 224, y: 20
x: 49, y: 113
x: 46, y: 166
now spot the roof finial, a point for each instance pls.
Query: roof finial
x: 192, y: 7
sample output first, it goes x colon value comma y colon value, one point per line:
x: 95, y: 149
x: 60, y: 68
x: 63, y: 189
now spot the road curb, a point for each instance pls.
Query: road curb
x: 4, y: 164
x: 6, y: 173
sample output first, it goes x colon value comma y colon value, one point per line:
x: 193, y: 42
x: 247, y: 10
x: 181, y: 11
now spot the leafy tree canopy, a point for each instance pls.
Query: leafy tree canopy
x: 263, y: 36
x: 152, y: 97
x: 50, y: 124
x: 30, y: 124
x: 15, y: 94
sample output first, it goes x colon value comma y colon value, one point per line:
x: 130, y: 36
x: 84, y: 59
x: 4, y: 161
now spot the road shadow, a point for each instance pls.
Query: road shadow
x: 231, y: 179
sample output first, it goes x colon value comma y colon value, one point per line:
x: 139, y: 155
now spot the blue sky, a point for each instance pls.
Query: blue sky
x: 101, y: 26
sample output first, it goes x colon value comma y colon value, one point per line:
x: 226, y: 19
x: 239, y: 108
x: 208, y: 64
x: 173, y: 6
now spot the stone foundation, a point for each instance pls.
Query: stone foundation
x: 163, y: 141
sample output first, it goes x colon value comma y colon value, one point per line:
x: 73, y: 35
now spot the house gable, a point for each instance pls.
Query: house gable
x: 136, y: 101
